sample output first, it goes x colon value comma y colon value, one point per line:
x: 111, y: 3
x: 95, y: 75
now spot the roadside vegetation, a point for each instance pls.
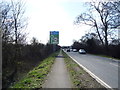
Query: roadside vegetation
x: 92, y: 45
x: 29, y: 56
x: 36, y: 77
x: 79, y: 77
x: 18, y: 57
x: 102, y: 37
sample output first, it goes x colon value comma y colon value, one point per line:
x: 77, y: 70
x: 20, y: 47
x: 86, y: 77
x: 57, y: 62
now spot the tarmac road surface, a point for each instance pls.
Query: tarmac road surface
x: 105, y: 68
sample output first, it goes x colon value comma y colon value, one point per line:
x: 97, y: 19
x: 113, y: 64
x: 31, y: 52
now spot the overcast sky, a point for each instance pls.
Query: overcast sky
x: 55, y: 15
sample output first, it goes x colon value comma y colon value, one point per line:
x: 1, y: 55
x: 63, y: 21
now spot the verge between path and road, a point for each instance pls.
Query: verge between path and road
x: 59, y: 76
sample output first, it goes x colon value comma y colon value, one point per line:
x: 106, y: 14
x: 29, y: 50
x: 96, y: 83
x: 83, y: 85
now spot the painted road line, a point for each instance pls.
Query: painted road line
x: 114, y: 64
x: 93, y: 75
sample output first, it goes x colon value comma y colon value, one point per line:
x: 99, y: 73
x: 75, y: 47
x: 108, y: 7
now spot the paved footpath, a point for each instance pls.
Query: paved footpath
x: 59, y: 76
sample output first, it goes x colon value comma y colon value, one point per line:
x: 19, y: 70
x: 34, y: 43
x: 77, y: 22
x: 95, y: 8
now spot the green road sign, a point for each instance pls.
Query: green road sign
x: 54, y: 37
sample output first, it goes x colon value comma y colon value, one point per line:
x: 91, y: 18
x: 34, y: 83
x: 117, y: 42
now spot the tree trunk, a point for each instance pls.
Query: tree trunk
x: 99, y: 34
x: 16, y: 38
x: 106, y: 40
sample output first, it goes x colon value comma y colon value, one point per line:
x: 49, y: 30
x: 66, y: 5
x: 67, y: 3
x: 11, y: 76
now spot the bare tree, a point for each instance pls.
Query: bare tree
x: 87, y: 19
x: 13, y: 21
x: 17, y: 16
x: 17, y: 12
x: 6, y: 22
x: 13, y: 26
x: 103, y: 16
x: 34, y: 41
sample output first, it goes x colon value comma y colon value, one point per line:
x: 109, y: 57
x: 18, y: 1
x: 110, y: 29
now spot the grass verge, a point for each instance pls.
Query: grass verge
x: 36, y: 77
x: 79, y: 77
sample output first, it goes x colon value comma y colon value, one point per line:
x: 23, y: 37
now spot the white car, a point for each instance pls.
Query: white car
x: 82, y: 51
x: 74, y: 50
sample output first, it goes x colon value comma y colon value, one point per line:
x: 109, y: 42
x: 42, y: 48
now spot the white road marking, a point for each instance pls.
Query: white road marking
x: 114, y: 64
x: 93, y: 75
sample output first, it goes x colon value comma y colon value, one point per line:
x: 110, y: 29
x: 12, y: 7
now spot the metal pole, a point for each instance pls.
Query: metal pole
x: 54, y: 47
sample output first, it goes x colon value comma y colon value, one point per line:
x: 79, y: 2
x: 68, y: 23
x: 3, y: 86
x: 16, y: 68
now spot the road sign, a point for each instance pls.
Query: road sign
x: 54, y: 37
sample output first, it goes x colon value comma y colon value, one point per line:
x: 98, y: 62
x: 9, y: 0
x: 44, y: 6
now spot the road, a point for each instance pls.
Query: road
x: 104, y: 68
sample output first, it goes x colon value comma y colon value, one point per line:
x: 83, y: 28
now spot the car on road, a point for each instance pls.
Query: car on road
x: 74, y: 50
x: 82, y: 51
x: 68, y: 50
